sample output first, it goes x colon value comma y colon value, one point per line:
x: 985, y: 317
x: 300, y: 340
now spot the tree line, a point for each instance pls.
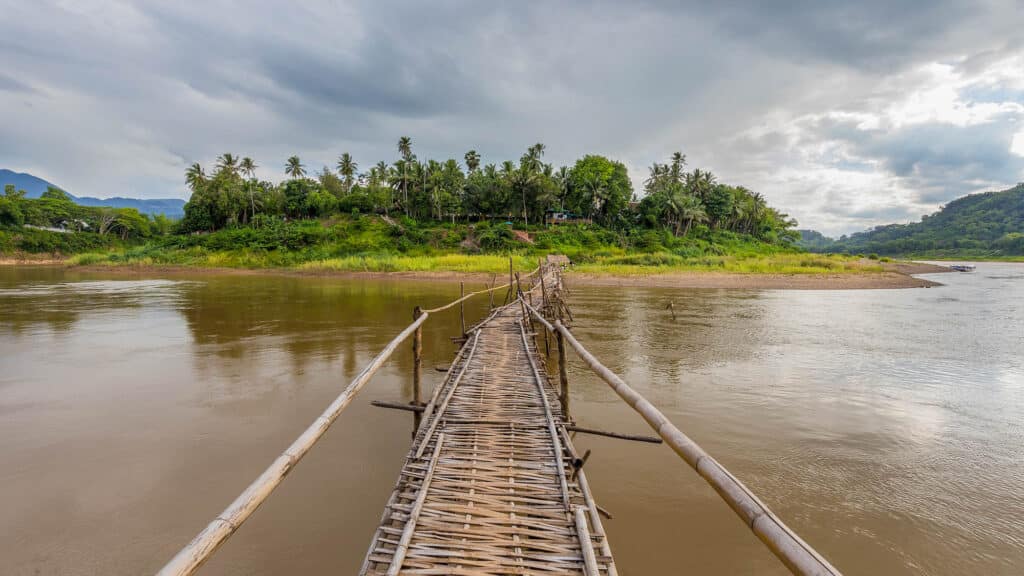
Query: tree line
x: 55, y: 209
x: 594, y: 188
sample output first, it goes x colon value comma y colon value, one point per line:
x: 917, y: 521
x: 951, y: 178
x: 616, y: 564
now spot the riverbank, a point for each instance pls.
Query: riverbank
x: 892, y: 275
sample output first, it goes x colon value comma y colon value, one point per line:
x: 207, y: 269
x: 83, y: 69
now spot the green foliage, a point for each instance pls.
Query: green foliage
x: 35, y: 241
x: 599, y: 188
x: 426, y: 208
x: 80, y: 228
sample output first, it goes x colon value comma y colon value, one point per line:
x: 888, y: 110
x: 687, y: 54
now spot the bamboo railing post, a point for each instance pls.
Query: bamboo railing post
x: 545, y: 308
x: 563, y: 376
x: 462, y: 307
x: 494, y: 282
x: 533, y: 327
x: 511, y: 286
x: 417, y: 369
x: 522, y: 303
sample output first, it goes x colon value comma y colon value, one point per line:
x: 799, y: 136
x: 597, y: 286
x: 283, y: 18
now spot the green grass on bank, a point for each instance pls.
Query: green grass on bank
x: 372, y: 245
x: 739, y: 264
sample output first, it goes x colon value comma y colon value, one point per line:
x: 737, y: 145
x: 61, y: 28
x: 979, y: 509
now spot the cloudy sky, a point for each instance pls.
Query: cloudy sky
x: 844, y: 114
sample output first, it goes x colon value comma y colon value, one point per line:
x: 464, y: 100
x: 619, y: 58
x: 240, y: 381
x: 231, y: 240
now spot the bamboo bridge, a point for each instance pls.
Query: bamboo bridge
x: 492, y: 483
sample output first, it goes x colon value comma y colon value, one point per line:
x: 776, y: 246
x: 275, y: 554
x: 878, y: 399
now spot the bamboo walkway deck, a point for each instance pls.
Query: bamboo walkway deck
x: 491, y: 485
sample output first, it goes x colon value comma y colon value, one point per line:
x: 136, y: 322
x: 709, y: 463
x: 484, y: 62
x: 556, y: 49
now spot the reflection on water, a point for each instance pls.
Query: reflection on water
x: 885, y: 426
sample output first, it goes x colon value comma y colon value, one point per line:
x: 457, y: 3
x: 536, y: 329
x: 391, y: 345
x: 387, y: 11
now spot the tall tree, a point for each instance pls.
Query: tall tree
x: 687, y: 209
x: 228, y: 163
x: 405, y: 149
x: 248, y: 167
x: 600, y: 187
x: 676, y: 166
x: 294, y: 167
x: 472, y: 161
x: 347, y: 168
x: 195, y: 177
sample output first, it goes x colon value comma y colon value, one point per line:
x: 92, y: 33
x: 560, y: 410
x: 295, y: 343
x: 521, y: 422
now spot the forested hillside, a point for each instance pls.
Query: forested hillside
x: 988, y: 225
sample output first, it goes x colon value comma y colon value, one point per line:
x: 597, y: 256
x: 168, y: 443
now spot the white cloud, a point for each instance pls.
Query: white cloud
x: 1017, y: 146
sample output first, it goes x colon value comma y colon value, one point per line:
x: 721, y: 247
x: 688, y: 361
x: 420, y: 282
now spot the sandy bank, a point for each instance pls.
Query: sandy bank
x: 757, y: 281
x: 896, y: 276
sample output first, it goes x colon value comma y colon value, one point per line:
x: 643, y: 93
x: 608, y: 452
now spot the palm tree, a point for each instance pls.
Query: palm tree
x: 678, y: 161
x: 347, y: 168
x: 195, y: 177
x: 405, y: 149
x: 472, y: 161
x: 699, y: 182
x: 530, y: 167
x: 379, y: 178
x: 228, y: 162
x: 687, y: 208
x: 248, y: 167
x: 562, y: 179
x: 295, y: 168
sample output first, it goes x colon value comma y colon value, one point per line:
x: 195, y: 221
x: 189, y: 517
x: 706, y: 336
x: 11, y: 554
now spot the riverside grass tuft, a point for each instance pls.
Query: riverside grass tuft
x: 368, y: 244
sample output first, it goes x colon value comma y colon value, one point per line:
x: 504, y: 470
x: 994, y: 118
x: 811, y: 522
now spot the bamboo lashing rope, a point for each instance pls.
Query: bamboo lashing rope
x: 471, y: 294
x: 796, y: 554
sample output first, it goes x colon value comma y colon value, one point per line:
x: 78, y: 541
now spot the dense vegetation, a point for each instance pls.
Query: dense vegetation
x: 23, y: 224
x: 989, y: 225
x: 414, y: 214
x: 594, y: 188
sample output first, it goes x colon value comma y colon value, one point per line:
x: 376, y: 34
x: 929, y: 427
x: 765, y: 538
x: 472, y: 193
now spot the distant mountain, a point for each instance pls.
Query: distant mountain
x: 35, y: 186
x: 814, y: 241
x: 988, y: 224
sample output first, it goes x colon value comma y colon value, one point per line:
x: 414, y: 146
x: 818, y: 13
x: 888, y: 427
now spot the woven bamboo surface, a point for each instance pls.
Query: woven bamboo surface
x: 488, y: 486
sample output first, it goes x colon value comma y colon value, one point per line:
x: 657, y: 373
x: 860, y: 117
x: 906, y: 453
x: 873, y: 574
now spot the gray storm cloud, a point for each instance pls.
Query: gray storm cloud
x: 845, y: 115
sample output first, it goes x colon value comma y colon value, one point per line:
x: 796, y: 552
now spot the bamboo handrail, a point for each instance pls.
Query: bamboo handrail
x: 199, y: 550
x: 471, y: 294
x: 796, y: 554
x: 196, y: 552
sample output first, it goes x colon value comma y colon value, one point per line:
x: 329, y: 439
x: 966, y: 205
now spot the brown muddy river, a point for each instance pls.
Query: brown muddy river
x: 886, y: 427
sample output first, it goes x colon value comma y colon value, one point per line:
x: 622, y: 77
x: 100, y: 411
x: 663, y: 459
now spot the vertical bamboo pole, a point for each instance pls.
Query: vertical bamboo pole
x: 519, y: 294
x: 511, y: 287
x: 544, y: 309
x: 533, y: 327
x: 563, y: 377
x: 417, y: 369
x: 494, y: 282
x: 462, y: 307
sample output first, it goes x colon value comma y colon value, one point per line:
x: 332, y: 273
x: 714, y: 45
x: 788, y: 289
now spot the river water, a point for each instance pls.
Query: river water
x: 885, y: 426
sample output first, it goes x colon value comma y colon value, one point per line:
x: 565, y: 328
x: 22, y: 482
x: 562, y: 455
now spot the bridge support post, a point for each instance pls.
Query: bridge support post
x: 462, y: 307
x: 563, y: 377
x: 417, y: 369
x: 544, y: 307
